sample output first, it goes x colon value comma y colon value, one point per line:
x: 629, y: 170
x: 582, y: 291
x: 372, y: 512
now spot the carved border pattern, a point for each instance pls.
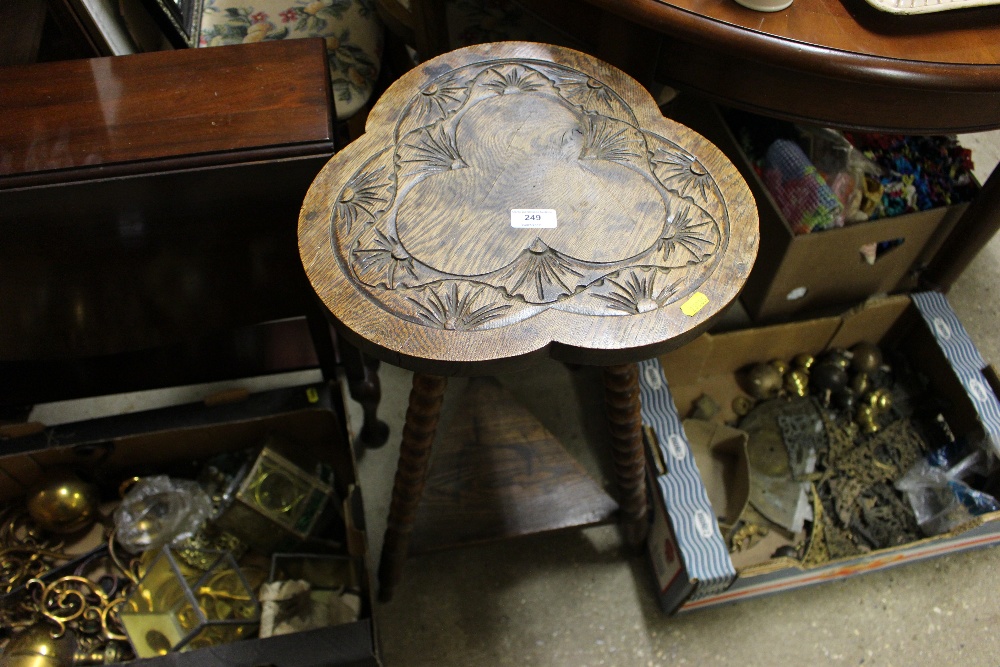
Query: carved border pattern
x: 693, y: 238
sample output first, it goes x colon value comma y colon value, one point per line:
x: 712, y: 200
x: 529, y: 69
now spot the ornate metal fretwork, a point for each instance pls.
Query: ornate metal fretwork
x: 575, y: 127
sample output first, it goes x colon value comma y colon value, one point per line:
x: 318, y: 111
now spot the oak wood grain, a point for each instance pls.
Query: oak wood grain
x: 497, y: 472
x: 407, y: 237
x: 422, y: 416
x: 621, y: 395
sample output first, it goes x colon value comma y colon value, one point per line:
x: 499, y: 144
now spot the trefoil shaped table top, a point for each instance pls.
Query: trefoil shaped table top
x: 511, y: 196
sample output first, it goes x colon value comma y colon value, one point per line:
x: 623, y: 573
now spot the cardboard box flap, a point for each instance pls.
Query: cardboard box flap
x: 870, y: 321
x: 964, y: 358
x: 702, y: 358
x: 702, y: 549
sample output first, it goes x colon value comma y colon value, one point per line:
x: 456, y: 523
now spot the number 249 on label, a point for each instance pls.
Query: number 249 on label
x: 533, y: 218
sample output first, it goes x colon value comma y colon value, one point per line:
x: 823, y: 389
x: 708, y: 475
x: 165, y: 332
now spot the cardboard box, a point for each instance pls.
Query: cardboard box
x: 688, y: 553
x: 799, y: 275
x: 154, y: 441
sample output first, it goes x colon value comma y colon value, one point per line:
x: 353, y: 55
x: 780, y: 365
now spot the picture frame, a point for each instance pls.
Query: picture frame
x: 180, y: 20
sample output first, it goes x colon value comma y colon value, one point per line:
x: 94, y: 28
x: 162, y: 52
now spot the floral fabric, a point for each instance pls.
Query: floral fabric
x: 351, y: 29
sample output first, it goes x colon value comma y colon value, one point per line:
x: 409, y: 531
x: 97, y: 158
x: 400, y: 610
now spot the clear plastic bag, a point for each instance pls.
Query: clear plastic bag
x: 160, y: 510
x: 938, y: 491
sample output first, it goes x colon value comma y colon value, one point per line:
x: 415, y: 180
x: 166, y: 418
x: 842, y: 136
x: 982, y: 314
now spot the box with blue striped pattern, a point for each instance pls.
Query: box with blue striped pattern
x: 689, y: 556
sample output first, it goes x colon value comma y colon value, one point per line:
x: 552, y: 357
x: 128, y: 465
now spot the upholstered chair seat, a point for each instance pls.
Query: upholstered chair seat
x: 351, y: 28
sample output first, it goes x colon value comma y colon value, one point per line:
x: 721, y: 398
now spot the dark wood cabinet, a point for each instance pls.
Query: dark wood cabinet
x: 148, y: 211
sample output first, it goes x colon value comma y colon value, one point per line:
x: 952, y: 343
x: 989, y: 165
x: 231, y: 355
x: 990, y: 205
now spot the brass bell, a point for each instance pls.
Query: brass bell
x: 838, y: 357
x: 828, y: 376
x: 63, y: 503
x: 35, y: 647
x: 845, y: 399
x: 779, y: 365
x: 763, y: 381
x: 867, y: 357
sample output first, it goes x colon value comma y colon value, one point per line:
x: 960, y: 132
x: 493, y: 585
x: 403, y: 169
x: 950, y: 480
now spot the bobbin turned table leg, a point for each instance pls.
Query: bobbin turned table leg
x: 621, y: 395
x: 422, y: 415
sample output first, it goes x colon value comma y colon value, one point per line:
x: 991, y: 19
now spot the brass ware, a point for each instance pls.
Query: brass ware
x: 763, y: 381
x: 175, y: 607
x: 797, y: 383
x: 742, y: 405
x: 746, y: 536
x: 109, y: 653
x: 860, y: 383
x: 705, y: 407
x: 838, y: 357
x: 779, y: 365
x: 804, y: 361
x: 200, y: 550
x: 867, y: 357
x: 828, y: 376
x: 880, y: 400
x: 63, y: 503
x: 277, y: 504
x: 845, y: 399
x: 36, y: 647
x: 865, y: 418
x: 73, y: 601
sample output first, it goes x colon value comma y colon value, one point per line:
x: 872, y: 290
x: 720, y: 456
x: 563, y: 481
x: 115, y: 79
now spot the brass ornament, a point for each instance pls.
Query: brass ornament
x: 865, y: 417
x: 797, y: 383
x: 828, y: 376
x: 37, y: 647
x: 763, y: 381
x: 804, y: 361
x: 861, y: 444
x: 80, y: 603
x: 839, y: 357
x: 866, y: 357
x: 63, y: 503
x: 742, y: 405
x: 860, y: 383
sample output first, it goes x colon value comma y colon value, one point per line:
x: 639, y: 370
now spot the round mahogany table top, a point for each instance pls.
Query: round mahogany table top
x: 512, y: 200
x: 834, y: 62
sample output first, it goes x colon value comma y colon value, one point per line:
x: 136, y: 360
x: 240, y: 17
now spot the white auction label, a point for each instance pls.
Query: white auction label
x: 533, y: 218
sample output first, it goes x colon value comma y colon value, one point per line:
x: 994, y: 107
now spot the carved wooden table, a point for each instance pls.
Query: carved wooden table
x: 513, y: 201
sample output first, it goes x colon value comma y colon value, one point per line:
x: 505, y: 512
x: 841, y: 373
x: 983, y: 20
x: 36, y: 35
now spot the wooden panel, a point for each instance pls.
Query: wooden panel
x: 967, y: 37
x: 99, y: 117
x: 142, y: 262
x: 497, y: 472
x: 836, y: 62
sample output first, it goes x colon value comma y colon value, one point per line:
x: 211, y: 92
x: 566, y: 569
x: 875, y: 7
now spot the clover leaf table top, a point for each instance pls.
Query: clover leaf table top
x: 514, y: 199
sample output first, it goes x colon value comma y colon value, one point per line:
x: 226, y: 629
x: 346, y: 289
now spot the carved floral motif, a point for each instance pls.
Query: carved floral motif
x: 373, y: 221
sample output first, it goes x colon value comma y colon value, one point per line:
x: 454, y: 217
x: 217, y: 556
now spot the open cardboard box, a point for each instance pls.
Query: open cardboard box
x: 798, y: 275
x: 689, y: 556
x: 154, y: 441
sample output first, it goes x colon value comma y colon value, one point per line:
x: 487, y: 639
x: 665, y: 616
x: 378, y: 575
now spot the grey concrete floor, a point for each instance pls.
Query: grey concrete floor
x: 580, y: 597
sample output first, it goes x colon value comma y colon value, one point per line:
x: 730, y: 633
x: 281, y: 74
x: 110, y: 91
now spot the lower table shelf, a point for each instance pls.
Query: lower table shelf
x: 498, y: 472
